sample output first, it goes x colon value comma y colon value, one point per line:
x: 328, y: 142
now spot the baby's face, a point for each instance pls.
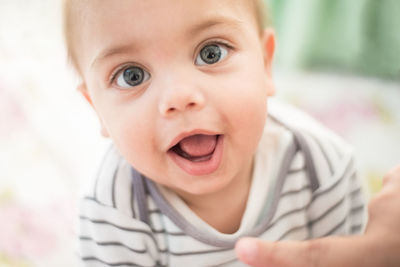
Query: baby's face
x: 180, y: 86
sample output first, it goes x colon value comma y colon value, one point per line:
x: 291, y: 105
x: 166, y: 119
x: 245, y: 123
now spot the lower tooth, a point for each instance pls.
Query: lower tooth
x: 200, y: 159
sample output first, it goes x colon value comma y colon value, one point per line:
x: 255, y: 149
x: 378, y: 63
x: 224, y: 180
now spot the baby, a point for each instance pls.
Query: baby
x: 198, y: 161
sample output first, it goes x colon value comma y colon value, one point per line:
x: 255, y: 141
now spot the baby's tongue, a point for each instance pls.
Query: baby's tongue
x: 199, y: 145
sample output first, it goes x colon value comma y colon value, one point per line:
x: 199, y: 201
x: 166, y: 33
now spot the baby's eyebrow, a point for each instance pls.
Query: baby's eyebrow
x: 113, y: 50
x: 212, y: 22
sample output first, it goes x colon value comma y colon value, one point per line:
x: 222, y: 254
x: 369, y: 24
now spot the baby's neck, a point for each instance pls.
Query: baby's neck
x: 224, y: 215
x: 223, y: 210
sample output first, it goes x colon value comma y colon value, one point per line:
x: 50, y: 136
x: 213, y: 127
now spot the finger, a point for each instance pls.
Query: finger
x: 327, y: 252
x: 393, y: 176
x: 383, y: 208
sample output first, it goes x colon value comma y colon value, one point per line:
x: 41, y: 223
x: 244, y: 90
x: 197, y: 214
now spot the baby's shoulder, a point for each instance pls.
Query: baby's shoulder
x: 327, y: 152
x: 112, y: 184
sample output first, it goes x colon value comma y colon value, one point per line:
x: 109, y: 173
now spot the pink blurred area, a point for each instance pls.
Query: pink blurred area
x: 34, y: 232
x: 49, y: 139
x: 50, y: 143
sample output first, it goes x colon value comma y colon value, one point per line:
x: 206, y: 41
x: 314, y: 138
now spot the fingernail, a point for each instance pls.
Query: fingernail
x: 248, y: 248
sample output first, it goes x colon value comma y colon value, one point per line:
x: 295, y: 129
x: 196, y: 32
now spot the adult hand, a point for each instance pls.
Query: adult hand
x: 379, y: 246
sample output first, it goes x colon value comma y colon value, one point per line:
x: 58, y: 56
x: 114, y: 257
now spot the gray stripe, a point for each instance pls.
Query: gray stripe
x: 163, y: 231
x: 286, y: 214
x: 356, y: 210
x: 330, y: 165
x: 224, y: 263
x: 293, y: 171
x: 141, y: 196
x: 154, y: 231
x: 148, y: 233
x: 175, y: 233
x: 329, y: 210
x: 132, y: 230
x: 190, y: 253
x: 294, y: 229
x: 310, y: 165
x: 133, y: 201
x: 118, y: 244
x: 113, y: 264
x: 331, y: 187
x: 142, y: 251
x: 113, y: 187
x: 355, y: 229
x: 295, y: 191
x: 157, y: 211
x: 335, y: 228
x: 208, y: 238
x: 95, y: 200
x: 355, y: 192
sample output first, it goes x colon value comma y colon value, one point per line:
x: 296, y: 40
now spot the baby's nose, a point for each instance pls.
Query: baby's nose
x: 180, y: 100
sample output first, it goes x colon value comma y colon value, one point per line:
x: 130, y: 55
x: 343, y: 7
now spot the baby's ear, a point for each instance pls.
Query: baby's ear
x: 83, y: 90
x: 268, y: 46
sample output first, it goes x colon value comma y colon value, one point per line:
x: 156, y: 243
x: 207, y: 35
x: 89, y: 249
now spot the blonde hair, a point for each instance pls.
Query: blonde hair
x: 70, y: 15
x: 73, y: 11
x: 261, y: 12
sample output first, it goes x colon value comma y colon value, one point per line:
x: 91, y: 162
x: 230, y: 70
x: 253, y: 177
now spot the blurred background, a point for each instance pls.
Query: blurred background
x: 338, y: 60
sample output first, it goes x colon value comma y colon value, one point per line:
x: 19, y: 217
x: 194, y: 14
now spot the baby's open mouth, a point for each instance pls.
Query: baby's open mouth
x: 196, y: 148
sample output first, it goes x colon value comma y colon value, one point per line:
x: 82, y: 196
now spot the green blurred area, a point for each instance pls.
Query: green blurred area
x: 356, y: 36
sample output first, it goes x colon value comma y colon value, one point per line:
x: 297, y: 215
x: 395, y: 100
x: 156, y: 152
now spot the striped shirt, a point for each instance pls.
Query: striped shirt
x: 304, y: 186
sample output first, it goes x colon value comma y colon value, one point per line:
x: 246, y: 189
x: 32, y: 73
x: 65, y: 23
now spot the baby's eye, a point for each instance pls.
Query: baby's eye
x: 211, y: 54
x: 131, y: 76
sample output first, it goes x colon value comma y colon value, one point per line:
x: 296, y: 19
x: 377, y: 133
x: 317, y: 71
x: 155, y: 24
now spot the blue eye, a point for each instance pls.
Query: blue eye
x: 131, y: 76
x: 211, y: 54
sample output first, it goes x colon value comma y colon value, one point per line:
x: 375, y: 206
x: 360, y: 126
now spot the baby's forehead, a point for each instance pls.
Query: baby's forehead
x: 99, y: 12
x: 77, y: 11
x: 103, y: 13
x: 83, y: 8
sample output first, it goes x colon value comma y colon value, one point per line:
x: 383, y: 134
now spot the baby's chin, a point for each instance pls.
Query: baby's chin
x: 202, y: 187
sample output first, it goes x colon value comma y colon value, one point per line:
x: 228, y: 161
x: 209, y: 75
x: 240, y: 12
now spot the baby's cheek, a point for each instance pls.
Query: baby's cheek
x: 129, y: 139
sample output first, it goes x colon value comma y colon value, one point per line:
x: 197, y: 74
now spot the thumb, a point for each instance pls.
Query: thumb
x: 326, y: 252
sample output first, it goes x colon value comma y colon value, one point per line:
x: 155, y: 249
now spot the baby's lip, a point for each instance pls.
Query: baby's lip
x: 183, y: 135
x: 197, y: 161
